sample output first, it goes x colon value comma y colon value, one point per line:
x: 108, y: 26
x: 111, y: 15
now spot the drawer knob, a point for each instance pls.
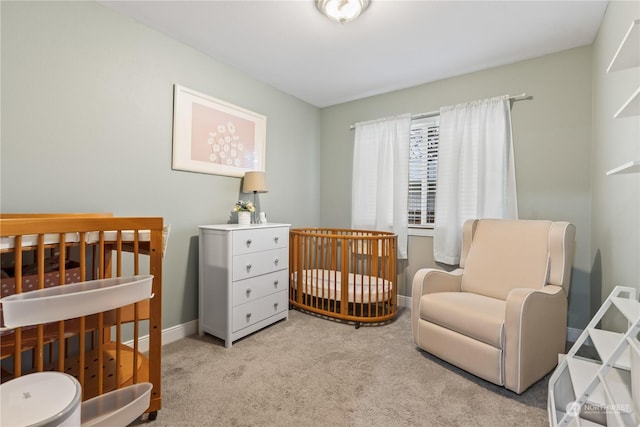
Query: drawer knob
x: 248, y: 316
x: 248, y: 268
x: 249, y: 242
x: 275, y: 305
x: 248, y: 291
x: 275, y: 239
x: 276, y: 261
x: 275, y: 283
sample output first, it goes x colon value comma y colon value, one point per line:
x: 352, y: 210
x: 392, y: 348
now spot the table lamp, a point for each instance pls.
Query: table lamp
x: 254, y: 182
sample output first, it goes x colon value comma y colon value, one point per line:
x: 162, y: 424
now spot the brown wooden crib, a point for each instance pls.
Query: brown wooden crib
x: 342, y: 273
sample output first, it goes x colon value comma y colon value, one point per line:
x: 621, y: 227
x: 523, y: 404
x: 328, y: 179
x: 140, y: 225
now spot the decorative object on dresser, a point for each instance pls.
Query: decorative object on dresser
x: 244, y: 210
x: 254, y: 182
x: 243, y: 278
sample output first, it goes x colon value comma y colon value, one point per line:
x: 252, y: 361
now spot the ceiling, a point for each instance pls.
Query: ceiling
x: 393, y: 45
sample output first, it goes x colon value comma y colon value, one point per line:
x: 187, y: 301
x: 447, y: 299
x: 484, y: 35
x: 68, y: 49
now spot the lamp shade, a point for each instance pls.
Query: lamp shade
x: 255, y: 182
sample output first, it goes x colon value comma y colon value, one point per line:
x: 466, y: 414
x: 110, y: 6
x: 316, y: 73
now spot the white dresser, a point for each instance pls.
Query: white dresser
x: 244, y: 276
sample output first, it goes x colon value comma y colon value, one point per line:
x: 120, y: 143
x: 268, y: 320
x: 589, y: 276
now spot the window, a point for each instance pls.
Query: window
x: 423, y: 169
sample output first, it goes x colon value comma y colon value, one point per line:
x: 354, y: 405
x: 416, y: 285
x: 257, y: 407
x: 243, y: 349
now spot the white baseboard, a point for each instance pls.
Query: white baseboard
x: 169, y: 335
x: 404, y: 301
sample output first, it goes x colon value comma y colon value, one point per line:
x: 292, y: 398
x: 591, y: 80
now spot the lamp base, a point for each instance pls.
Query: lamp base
x: 253, y: 214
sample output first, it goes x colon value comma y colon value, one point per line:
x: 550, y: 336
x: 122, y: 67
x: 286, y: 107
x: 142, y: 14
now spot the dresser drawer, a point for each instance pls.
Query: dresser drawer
x: 255, y: 264
x: 260, y: 239
x: 252, y: 312
x: 257, y: 287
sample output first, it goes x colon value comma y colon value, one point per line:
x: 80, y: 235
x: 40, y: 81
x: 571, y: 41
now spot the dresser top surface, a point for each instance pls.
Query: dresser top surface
x: 231, y: 227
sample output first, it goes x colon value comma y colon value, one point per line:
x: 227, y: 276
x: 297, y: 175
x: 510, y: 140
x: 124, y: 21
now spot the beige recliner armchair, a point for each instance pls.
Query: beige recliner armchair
x: 502, y: 315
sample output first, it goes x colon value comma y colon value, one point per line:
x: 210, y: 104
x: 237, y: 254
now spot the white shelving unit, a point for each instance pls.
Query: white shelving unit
x: 629, y: 167
x: 628, y: 53
x: 631, y: 107
x: 628, y: 56
x: 601, y: 388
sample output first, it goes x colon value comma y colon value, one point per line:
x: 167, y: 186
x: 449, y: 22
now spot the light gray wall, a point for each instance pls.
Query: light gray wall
x: 615, y: 227
x: 87, y: 102
x: 552, y: 140
x: 86, y: 126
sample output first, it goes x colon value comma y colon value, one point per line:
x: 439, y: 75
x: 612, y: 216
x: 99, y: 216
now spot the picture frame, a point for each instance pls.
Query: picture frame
x: 215, y: 137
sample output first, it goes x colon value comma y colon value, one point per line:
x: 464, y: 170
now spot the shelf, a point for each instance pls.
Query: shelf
x: 631, y: 107
x: 629, y: 167
x: 628, y: 54
x: 118, y: 407
x: 628, y: 307
x: 74, y: 300
x: 605, y: 343
x: 582, y: 372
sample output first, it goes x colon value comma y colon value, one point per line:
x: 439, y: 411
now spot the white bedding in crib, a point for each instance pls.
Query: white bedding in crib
x: 327, y: 284
x: 9, y: 242
x: 29, y: 240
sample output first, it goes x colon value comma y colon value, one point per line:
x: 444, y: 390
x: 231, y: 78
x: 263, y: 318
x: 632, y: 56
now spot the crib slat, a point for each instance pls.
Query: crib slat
x: 62, y: 258
x: 39, y: 351
x: 100, y: 342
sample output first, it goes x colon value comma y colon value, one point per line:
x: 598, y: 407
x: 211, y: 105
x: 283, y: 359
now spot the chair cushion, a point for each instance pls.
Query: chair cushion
x: 473, y: 315
x: 507, y: 254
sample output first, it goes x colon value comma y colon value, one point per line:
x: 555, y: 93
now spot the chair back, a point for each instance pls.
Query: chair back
x: 502, y: 254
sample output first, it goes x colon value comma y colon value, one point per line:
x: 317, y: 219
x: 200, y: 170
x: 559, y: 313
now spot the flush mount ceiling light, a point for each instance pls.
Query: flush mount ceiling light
x: 342, y: 11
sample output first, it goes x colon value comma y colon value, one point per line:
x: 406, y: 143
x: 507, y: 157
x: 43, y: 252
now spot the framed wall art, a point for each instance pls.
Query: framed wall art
x: 215, y: 137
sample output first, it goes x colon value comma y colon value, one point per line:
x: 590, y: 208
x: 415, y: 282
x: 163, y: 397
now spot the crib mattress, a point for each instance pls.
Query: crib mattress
x: 327, y: 284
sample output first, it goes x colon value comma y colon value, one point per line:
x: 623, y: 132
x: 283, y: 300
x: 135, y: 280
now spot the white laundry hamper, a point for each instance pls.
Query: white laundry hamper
x: 53, y: 399
x: 43, y: 399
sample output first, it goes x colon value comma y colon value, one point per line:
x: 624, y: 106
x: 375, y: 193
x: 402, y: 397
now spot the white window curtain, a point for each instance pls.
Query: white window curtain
x: 381, y: 177
x: 476, y: 171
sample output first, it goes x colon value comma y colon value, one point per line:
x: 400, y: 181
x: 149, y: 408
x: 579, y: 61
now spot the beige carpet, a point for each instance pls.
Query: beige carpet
x: 310, y: 371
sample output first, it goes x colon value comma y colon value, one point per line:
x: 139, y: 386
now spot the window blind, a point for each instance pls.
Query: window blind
x: 423, y: 168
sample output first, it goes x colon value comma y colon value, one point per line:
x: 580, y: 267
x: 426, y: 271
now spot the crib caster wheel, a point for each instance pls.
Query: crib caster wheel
x: 357, y: 325
x: 152, y: 416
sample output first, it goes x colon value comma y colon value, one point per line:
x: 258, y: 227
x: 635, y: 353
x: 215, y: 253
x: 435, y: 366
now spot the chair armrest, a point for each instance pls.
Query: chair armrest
x: 535, y: 332
x: 431, y: 280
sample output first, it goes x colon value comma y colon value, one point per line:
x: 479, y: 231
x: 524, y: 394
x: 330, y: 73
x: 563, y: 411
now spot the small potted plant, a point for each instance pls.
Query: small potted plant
x: 244, y: 210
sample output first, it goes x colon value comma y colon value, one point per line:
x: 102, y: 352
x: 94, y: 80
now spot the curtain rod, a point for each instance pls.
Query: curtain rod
x: 512, y: 99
